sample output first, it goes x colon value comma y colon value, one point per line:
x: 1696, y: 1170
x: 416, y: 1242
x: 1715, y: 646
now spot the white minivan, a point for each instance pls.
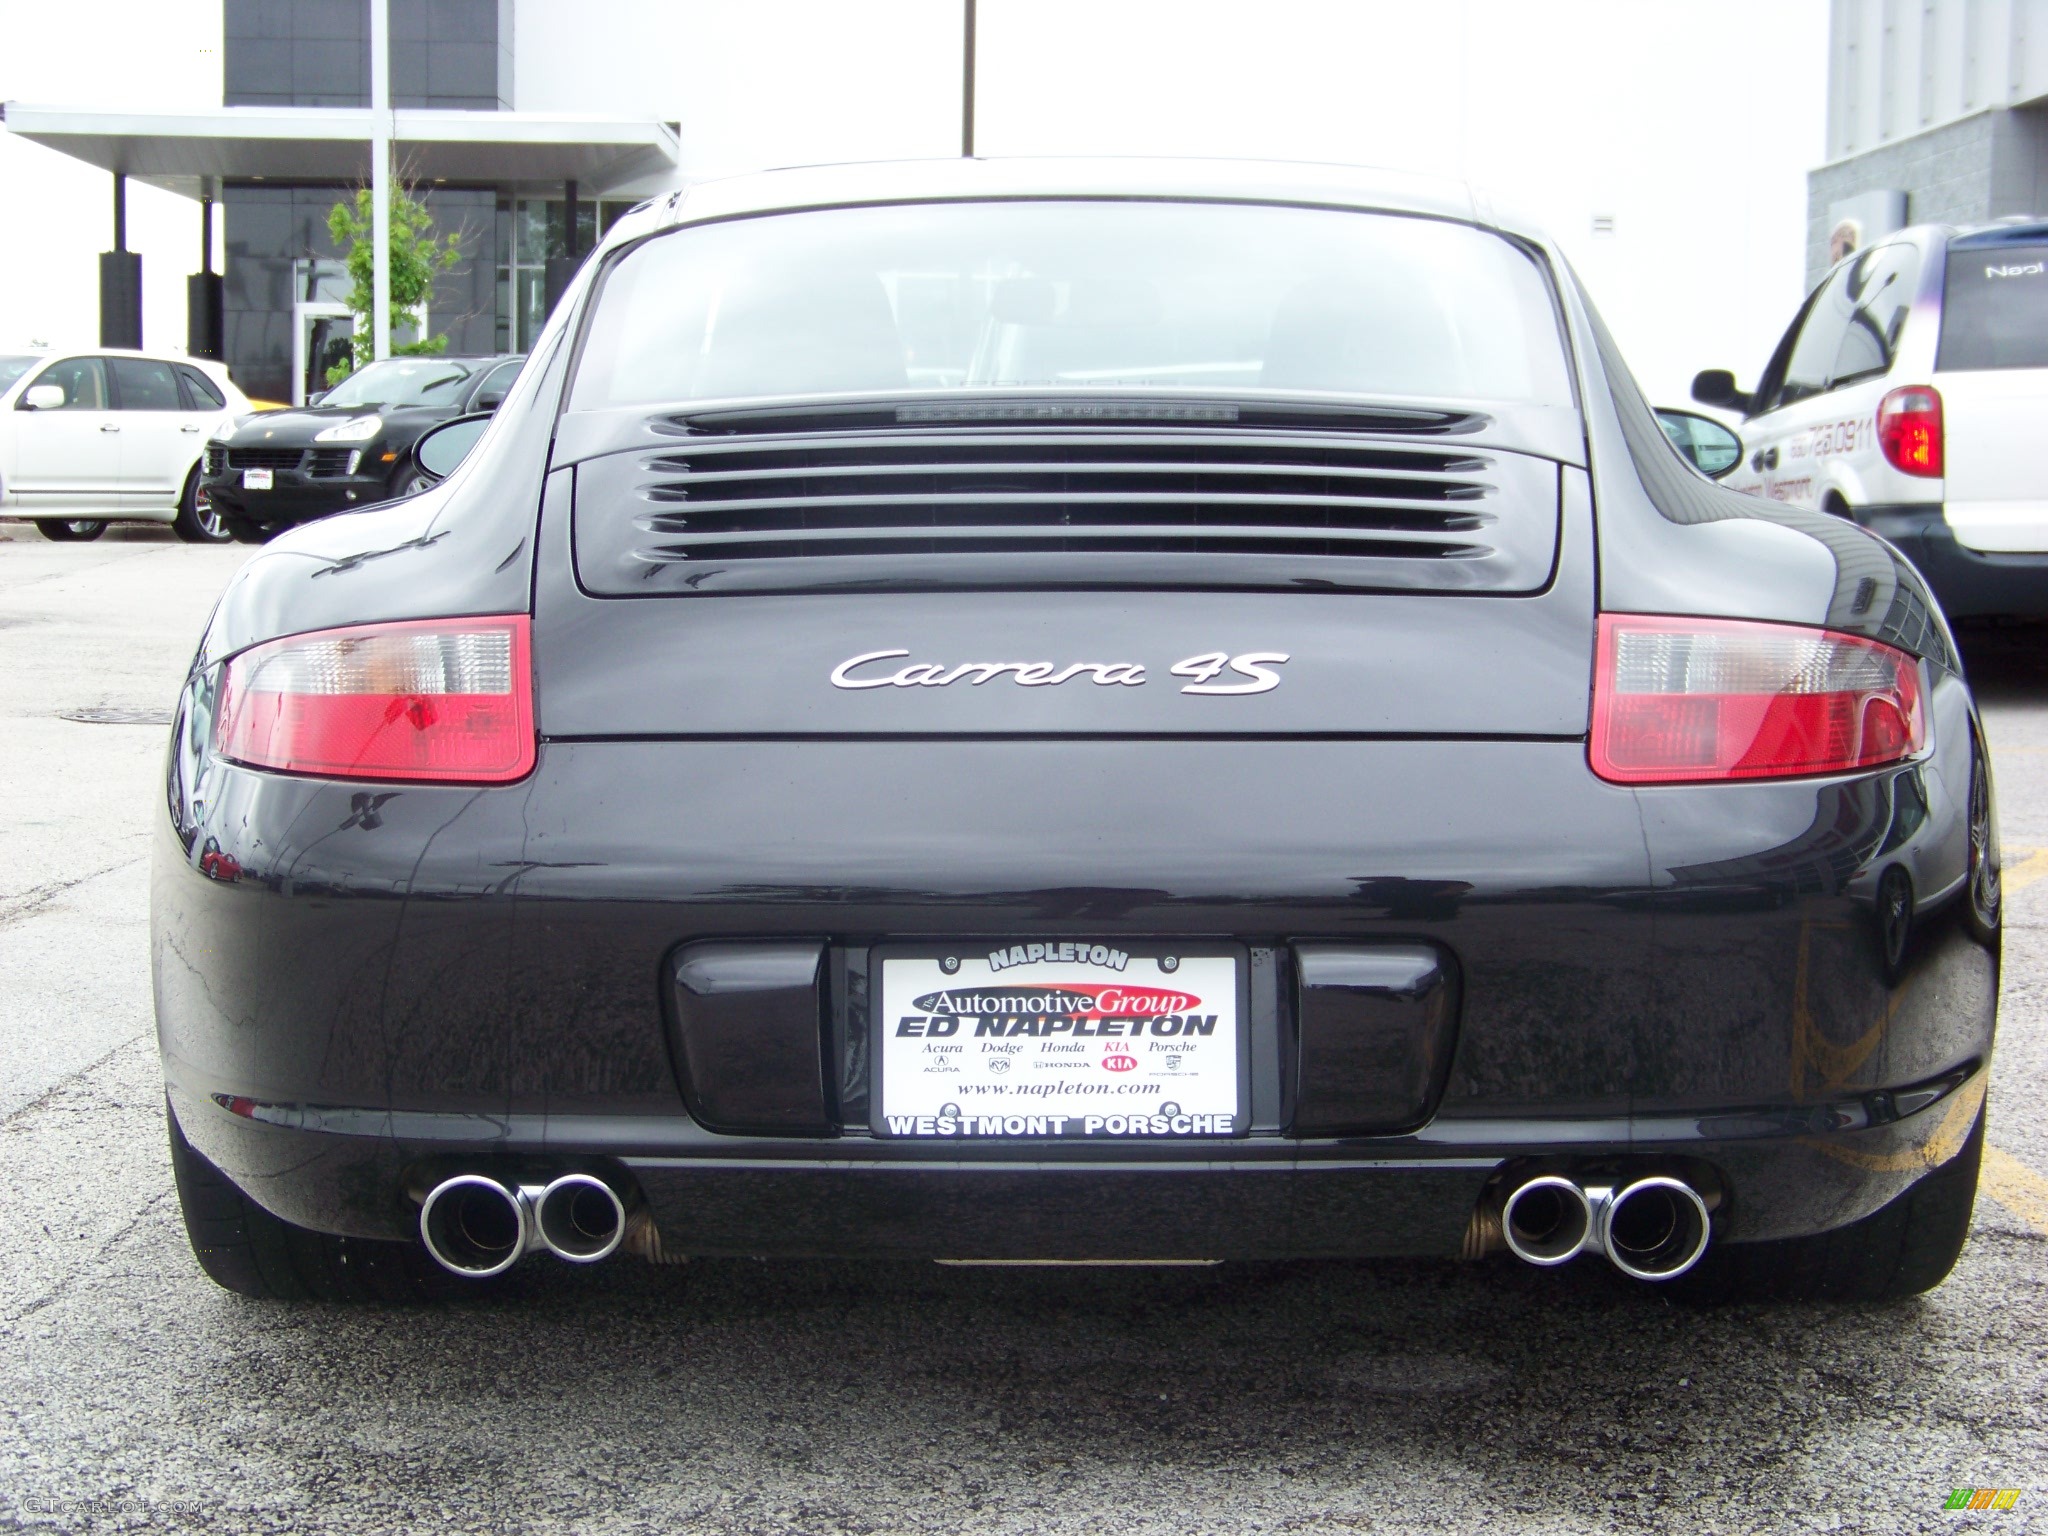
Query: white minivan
x: 1911, y: 394
x: 94, y: 437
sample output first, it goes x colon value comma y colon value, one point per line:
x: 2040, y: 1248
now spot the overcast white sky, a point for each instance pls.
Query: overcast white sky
x: 1690, y: 124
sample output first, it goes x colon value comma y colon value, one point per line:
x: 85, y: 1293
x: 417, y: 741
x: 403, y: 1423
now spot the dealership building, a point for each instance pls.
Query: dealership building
x: 526, y: 191
x: 1937, y: 113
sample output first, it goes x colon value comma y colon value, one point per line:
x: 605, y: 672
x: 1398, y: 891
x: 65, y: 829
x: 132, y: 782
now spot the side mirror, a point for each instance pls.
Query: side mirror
x: 316, y: 397
x: 440, y: 452
x: 1716, y: 387
x: 1711, y: 447
x: 487, y: 402
x: 43, y: 397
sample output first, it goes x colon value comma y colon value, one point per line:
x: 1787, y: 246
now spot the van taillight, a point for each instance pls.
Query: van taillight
x: 1909, y: 430
x: 443, y: 701
x: 1679, y: 700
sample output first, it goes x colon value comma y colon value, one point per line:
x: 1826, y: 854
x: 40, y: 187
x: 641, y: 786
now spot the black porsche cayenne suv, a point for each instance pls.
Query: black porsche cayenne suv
x: 1076, y: 710
x: 349, y: 447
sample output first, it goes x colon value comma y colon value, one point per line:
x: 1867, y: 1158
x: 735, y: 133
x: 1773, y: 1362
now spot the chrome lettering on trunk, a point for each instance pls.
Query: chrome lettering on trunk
x: 1255, y: 665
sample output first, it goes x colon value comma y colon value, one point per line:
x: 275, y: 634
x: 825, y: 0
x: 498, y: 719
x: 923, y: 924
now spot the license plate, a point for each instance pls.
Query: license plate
x: 256, y: 479
x: 1046, y: 1041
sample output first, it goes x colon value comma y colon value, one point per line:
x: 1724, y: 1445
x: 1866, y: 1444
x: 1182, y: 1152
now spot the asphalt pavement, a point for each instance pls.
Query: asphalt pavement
x: 870, y: 1398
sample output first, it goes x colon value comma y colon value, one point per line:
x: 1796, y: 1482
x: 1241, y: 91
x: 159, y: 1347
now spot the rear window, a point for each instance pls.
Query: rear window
x: 1995, y: 311
x: 1074, y: 296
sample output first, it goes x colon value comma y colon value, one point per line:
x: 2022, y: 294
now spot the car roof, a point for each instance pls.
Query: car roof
x: 155, y: 357
x: 959, y: 179
x: 2019, y: 231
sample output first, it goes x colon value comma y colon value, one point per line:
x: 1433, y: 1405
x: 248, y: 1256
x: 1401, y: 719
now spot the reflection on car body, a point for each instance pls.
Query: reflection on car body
x: 1078, y: 710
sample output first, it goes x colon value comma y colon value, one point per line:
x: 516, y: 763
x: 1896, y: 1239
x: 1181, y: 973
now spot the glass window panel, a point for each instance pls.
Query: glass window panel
x: 83, y: 381
x: 205, y: 394
x: 1881, y: 283
x: 143, y: 384
x: 1076, y: 295
x: 1995, y: 314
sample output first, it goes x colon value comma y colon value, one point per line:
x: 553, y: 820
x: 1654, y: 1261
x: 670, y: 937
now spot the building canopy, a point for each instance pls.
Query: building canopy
x: 192, y: 153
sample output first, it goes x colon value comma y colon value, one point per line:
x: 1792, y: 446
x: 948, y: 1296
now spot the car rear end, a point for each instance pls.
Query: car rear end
x: 1073, y: 731
x: 1971, y: 437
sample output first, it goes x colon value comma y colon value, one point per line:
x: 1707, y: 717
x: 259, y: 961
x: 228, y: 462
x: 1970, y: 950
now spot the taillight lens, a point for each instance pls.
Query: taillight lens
x: 1690, y: 700
x: 1909, y: 430
x: 441, y: 701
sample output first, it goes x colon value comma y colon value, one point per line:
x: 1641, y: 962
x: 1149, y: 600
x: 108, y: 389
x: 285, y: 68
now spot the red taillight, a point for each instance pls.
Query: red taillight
x: 444, y: 701
x: 1683, y: 700
x: 1909, y: 430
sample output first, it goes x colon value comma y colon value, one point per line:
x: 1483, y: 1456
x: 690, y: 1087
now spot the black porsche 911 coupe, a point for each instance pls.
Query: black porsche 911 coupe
x: 350, y: 447
x: 996, y: 710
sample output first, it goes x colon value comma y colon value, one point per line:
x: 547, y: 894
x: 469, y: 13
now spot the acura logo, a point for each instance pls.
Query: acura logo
x: 1255, y: 667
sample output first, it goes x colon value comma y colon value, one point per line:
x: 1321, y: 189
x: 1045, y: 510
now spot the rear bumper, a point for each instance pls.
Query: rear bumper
x: 1969, y: 583
x: 1773, y: 1173
x: 358, y: 989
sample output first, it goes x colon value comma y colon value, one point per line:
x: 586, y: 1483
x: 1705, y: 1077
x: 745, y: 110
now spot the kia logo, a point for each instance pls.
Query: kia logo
x: 1119, y: 1063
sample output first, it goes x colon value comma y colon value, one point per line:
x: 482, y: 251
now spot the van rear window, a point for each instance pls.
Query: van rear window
x: 1995, y: 313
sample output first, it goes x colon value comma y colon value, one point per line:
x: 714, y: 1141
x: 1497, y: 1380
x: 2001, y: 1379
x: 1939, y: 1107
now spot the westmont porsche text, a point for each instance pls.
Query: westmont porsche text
x: 1077, y: 710
x: 1059, y: 1125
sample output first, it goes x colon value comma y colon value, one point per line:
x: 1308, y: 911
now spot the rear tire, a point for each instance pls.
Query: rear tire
x: 1905, y: 1248
x: 70, y: 530
x: 1985, y: 899
x: 198, y: 520
x: 245, y: 1249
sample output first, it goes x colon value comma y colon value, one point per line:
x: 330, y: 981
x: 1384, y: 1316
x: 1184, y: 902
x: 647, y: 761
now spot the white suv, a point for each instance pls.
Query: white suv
x: 1910, y: 394
x: 90, y: 437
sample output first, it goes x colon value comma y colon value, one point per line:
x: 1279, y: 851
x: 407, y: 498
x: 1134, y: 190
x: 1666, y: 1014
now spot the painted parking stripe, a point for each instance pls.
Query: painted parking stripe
x: 2016, y: 1187
x: 2023, y: 872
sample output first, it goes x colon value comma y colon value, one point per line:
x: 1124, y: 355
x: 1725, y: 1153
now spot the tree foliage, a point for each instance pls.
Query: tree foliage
x: 418, y: 256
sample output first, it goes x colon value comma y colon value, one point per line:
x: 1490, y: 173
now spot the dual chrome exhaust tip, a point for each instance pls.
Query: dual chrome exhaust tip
x: 1653, y: 1228
x: 477, y: 1226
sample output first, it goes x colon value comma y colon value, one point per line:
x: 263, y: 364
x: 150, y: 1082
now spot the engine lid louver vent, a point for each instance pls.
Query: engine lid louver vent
x: 1077, y: 507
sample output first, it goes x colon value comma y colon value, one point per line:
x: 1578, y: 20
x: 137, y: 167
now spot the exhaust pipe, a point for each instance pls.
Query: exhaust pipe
x: 1547, y: 1221
x: 1655, y: 1229
x: 581, y: 1218
x: 475, y: 1226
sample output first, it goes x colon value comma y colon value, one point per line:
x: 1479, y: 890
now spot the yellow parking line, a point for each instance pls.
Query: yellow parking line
x: 2016, y: 1187
x: 2016, y: 877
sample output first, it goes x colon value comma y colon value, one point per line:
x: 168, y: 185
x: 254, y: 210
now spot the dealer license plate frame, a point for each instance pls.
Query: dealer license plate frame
x: 1143, y: 968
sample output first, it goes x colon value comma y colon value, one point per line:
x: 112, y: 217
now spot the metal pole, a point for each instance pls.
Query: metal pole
x: 967, y: 87
x: 380, y: 174
x: 569, y: 212
x: 206, y: 232
x: 120, y: 211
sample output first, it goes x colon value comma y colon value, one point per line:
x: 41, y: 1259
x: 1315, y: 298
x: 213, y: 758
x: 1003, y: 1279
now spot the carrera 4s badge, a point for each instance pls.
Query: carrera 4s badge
x: 1256, y: 667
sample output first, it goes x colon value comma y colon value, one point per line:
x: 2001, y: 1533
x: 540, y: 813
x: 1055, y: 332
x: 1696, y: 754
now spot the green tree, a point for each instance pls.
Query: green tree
x: 418, y: 256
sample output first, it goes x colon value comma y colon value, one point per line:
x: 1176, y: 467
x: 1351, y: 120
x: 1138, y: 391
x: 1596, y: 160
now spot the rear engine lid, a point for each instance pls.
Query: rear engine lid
x: 1203, y: 631
x: 1021, y: 494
